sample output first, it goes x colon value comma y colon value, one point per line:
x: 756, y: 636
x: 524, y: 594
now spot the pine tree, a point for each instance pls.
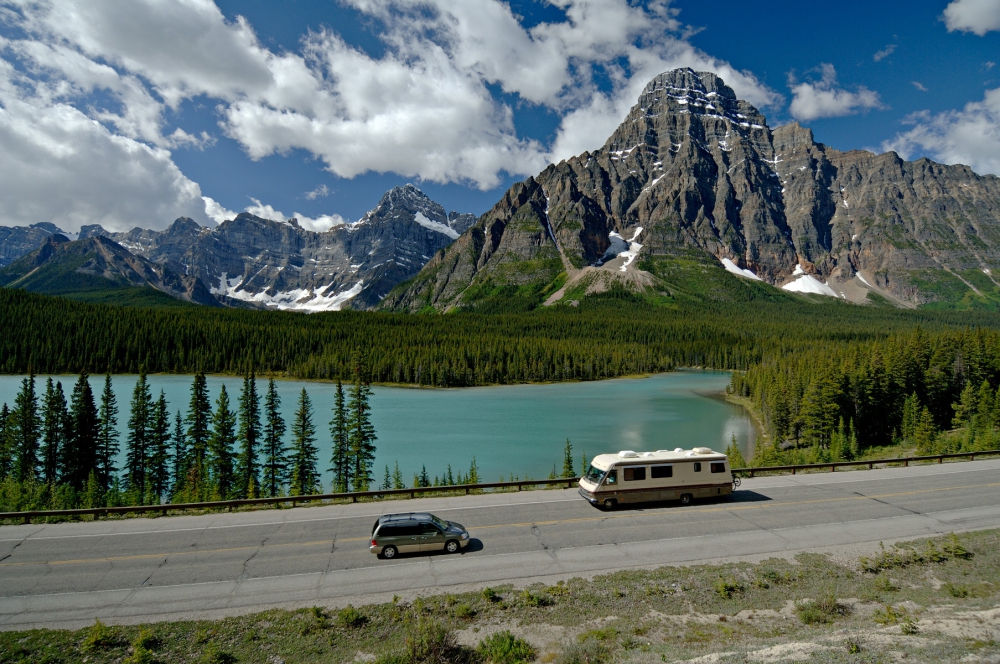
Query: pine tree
x: 425, y: 479
x: 852, y: 441
x: 275, y: 459
x: 397, y: 478
x: 736, y: 459
x: 6, y: 443
x: 473, y: 472
x: 247, y: 471
x: 387, y: 481
x: 340, y: 461
x: 138, y: 442
x: 55, y: 418
x: 924, y: 432
x: 159, y: 459
x: 568, y: 470
x: 25, y: 432
x: 80, y: 455
x: 219, y: 457
x: 199, y: 419
x: 583, y: 463
x: 107, y: 436
x: 911, y: 412
x: 179, y: 456
x: 304, y: 475
x: 361, y: 433
x: 449, y: 479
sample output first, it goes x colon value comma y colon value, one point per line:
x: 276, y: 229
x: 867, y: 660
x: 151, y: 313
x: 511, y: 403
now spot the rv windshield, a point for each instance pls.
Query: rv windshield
x: 594, y: 474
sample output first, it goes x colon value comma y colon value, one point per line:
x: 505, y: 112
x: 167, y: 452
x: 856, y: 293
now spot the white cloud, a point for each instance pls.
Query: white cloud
x: 322, y: 191
x: 423, y: 108
x: 824, y: 99
x: 970, y: 136
x: 975, y: 16
x: 215, y: 211
x: 919, y: 86
x: 884, y: 53
x: 319, y: 224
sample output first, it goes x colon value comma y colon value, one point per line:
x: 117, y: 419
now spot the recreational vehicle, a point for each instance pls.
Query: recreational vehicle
x: 641, y: 477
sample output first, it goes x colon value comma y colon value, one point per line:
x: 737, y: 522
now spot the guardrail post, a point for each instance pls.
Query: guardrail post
x: 413, y: 494
x: 27, y: 519
x: 906, y: 463
x: 751, y: 472
x: 793, y: 472
x: 354, y: 499
x: 972, y: 457
x: 833, y: 468
x: 870, y: 466
x: 940, y: 459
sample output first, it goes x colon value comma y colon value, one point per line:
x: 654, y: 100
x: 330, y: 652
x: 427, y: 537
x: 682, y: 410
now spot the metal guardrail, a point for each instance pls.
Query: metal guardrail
x: 98, y: 512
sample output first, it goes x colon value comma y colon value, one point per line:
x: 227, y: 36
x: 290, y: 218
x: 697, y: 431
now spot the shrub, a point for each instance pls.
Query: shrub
x: 727, y: 587
x: 821, y: 610
x: 464, y: 612
x: 531, y: 599
x: 885, y: 584
x: 505, y: 648
x: 430, y: 642
x: 99, y: 637
x: 142, y: 648
x: 889, y: 615
x: 350, y: 617
x: 491, y: 595
x: 213, y: 655
x: 957, y: 591
x: 585, y: 652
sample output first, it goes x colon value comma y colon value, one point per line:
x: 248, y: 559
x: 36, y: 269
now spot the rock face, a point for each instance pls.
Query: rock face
x: 62, y: 267
x: 693, y: 167
x: 258, y: 262
x: 20, y: 240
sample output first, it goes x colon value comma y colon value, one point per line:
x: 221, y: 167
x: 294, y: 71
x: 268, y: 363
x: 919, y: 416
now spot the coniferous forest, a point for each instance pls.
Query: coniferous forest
x: 828, y: 381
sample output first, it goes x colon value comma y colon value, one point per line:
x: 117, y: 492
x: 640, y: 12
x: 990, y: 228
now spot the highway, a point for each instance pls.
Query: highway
x: 143, y: 570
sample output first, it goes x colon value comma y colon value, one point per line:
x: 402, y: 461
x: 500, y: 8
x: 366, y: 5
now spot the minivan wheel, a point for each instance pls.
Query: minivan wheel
x: 451, y: 546
x: 686, y: 498
x: 610, y: 503
x: 389, y: 552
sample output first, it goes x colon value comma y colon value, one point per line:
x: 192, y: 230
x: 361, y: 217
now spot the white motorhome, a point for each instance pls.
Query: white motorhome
x: 641, y: 477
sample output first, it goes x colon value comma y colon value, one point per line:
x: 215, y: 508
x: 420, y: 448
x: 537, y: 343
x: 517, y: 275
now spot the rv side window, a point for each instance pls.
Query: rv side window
x: 718, y: 467
x: 632, y: 473
x: 697, y: 466
x: 659, y: 472
x: 612, y: 477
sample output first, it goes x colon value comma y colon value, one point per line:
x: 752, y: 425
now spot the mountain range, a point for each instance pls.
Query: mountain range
x: 692, y: 193
x: 249, y: 261
x: 694, y: 174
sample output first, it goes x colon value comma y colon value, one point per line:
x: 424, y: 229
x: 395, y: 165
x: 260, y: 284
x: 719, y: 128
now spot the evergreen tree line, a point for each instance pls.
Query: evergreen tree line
x: 59, y: 454
x: 606, y: 336
x: 930, y: 392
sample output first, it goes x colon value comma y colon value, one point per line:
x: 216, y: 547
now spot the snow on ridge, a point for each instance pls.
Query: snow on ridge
x: 739, y: 271
x: 809, y: 284
x: 435, y: 226
x: 299, y: 299
x: 864, y: 281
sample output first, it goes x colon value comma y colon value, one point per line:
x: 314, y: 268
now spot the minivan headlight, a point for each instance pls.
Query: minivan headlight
x: 465, y: 535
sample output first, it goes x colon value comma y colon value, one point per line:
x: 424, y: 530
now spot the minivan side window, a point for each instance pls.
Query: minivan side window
x: 632, y: 473
x: 659, y: 472
x: 388, y: 531
x: 428, y: 529
x: 612, y: 477
x: 718, y: 467
x: 697, y: 466
x: 408, y: 530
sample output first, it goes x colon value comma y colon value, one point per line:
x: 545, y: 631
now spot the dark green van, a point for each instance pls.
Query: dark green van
x: 413, y: 532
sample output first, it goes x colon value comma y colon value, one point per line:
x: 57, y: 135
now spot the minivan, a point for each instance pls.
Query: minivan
x: 410, y: 532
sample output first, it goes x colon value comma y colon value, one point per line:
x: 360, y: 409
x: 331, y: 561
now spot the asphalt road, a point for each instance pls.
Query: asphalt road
x: 143, y: 570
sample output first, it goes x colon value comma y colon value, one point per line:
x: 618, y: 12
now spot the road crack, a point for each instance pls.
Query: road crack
x: 23, y: 540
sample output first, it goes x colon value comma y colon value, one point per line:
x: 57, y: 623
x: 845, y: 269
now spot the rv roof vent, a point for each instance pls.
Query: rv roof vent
x: 663, y: 451
x: 678, y: 449
x: 627, y: 454
x: 647, y: 454
x: 702, y: 450
x: 690, y: 453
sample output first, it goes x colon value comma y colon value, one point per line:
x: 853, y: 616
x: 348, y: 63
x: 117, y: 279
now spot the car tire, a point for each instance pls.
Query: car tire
x: 610, y: 503
x: 686, y: 498
x: 389, y: 552
x: 451, y: 546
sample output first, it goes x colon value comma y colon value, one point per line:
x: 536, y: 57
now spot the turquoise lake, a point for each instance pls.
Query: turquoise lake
x: 511, y: 430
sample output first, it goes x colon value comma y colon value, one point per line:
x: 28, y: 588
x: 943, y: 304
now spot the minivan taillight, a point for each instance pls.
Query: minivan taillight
x: 374, y: 543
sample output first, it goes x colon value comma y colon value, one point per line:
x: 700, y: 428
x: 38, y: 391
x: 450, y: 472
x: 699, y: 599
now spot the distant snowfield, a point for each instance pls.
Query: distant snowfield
x: 435, y: 226
x: 738, y: 271
x: 807, y: 283
x: 300, y: 299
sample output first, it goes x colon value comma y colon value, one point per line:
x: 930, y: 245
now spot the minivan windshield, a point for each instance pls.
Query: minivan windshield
x: 440, y: 523
x: 593, y: 474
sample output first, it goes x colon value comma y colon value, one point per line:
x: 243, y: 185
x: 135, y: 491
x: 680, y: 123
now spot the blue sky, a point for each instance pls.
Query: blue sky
x: 136, y: 113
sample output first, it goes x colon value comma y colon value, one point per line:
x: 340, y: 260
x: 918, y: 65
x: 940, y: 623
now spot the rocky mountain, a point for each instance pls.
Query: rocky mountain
x: 98, y: 268
x: 694, y: 171
x: 250, y: 261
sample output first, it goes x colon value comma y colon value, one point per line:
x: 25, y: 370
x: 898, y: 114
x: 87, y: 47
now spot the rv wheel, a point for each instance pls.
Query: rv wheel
x: 686, y: 498
x: 610, y: 503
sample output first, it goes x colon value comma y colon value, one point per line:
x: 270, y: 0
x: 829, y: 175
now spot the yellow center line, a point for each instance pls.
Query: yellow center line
x: 703, y: 510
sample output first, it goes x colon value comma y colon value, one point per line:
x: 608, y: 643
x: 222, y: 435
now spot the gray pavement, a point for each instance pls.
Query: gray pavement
x: 143, y: 570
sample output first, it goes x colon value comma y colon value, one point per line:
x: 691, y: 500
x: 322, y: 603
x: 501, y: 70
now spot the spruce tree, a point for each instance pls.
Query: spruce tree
x: 25, y: 432
x: 360, y: 432
x: 199, y: 419
x: 387, y: 480
x: 55, y: 421
x: 473, y: 472
x: 397, y: 478
x: 179, y: 456
x: 247, y: 470
x: 340, y: 461
x: 304, y: 478
x: 107, y: 436
x: 425, y: 479
x: 80, y: 456
x: 6, y: 443
x: 736, y: 459
x: 568, y: 470
x: 220, y: 447
x: 159, y: 458
x: 275, y: 466
x: 138, y: 442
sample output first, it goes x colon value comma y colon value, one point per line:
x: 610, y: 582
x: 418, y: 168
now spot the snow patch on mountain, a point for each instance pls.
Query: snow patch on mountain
x: 739, y: 271
x: 809, y: 284
x: 435, y: 226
